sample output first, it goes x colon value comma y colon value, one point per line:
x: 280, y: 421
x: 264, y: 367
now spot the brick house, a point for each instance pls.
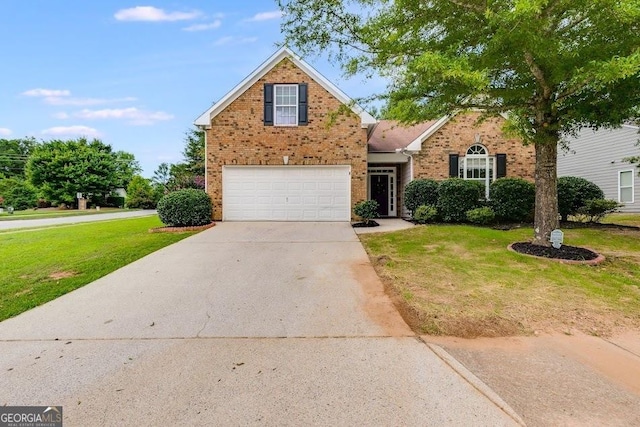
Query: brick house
x: 288, y: 145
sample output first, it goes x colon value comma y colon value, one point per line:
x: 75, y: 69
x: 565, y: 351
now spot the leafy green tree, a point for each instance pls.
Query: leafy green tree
x: 61, y: 169
x: 140, y: 194
x: 161, y: 175
x: 127, y: 167
x: 17, y: 193
x: 552, y: 65
x: 14, y: 154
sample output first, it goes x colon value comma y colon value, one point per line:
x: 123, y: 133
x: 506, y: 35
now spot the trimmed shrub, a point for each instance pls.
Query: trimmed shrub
x: 420, y: 192
x: 367, y: 210
x: 185, y: 208
x: 425, y: 214
x: 596, y: 209
x: 140, y: 194
x: 456, y: 196
x: 573, y: 193
x: 115, y: 202
x: 513, y: 199
x: 481, y: 216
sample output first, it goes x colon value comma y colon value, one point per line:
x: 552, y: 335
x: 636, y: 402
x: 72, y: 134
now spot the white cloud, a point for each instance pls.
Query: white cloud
x: 153, y: 14
x: 59, y: 100
x: 5, y: 132
x: 133, y: 115
x: 76, y: 130
x: 265, y: 16
x: 61, y: 115
x: 46, y: 92
x: 229, y: 40
x: 204, y: 27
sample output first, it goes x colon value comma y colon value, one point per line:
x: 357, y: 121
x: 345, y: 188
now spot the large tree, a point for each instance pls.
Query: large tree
x: 61, y: 169
x: 13, y: 156
x: 553, y: 66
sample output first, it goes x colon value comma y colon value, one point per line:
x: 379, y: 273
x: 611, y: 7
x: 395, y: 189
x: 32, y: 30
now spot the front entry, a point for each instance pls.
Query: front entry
x: 382, y: 189
x: 379, y: 185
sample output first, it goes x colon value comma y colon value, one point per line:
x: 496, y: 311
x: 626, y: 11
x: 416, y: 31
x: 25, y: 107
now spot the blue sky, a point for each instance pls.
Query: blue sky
x: 135, y: 75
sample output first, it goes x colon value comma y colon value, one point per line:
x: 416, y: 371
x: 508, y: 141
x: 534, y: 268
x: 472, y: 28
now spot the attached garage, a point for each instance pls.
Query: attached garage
x: 286, y: 193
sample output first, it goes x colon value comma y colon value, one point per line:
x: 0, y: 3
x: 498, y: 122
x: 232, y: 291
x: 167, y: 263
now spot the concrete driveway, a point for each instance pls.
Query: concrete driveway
x: 242, y: 324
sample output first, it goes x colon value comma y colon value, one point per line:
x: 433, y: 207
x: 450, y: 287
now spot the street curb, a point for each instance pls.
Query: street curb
x: 474, y: 381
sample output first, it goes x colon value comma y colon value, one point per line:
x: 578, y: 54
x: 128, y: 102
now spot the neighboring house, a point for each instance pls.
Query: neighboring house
x: 598, y: 156
x: 288, y: 145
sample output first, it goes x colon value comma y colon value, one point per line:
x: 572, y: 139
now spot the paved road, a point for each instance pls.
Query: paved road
x: 45, y: 222
x: 242, y: 324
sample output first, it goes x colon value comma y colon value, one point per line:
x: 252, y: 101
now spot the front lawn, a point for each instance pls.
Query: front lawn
x: 54, y: 213
x: 37, y: 266
x: 461, y: 280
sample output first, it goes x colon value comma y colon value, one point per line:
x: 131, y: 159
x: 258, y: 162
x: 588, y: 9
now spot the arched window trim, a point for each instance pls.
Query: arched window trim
x: 478, y: 165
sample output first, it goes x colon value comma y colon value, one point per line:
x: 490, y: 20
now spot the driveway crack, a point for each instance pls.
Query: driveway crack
x: 206, y: 322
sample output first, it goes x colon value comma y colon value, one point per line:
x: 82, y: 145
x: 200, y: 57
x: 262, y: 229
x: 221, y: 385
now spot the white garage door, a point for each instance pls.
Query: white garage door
x: 290, y: 193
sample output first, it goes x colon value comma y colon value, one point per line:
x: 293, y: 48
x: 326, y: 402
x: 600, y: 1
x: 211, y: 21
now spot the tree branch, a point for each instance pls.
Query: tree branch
x: 538, y: 74
x: 467, y: 6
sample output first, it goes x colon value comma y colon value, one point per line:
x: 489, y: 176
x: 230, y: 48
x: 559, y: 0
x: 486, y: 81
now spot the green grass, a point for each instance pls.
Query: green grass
x: 33, y: 263
x: 54, y: 213
x: 623, y: 219
x: 462, y: 280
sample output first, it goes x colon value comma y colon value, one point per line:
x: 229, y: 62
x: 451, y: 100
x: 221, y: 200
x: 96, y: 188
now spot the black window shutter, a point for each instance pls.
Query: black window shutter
x: 303, y: 118
x: 453, y: 166
x: 268, y: 104
x: 501, y: 165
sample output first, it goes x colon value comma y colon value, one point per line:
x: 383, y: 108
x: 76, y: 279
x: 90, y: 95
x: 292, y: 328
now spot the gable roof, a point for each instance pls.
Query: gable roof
x: 390, y: 136
x: 205, y: 118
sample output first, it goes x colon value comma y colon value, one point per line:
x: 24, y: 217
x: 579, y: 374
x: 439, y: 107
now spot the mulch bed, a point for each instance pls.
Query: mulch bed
x: 180, y: 229
x: 565, y: 252
x: 365, y: 224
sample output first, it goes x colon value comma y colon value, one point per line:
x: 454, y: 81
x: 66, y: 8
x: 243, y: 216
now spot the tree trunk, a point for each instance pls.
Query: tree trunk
x: 546, y: 218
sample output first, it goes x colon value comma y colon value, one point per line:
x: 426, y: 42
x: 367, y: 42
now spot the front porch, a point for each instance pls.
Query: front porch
x: 387, y: 174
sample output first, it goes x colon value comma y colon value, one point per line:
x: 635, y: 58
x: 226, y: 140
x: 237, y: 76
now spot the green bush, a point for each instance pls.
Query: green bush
x: 425, y: 214
x: 420, y: 192
x: 481, y: 216
x: 19, y: 194
x: 596, y: 209
x: 140, y: 194
x: 573, y: 193
x: 367, y: 210
x: 115, y: 202
x: 185, y: 208
x: 513, y: 199
x: 456, y: 196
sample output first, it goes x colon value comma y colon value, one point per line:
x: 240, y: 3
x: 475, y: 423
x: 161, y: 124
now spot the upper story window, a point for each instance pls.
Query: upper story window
x: 477, y: 165
x: 625, y: 186
x: 286, y: 105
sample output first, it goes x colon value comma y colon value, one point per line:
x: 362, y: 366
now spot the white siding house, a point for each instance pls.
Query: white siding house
x: 597, y: 156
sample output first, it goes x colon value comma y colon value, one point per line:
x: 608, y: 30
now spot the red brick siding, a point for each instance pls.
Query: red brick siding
x: 239, y: 137
x: 457, y: 135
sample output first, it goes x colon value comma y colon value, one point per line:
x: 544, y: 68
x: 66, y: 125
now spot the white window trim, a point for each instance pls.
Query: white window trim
x: 490, y: 177
x: 391, y: 173
x: 633, y: 189
x: 275, y: 105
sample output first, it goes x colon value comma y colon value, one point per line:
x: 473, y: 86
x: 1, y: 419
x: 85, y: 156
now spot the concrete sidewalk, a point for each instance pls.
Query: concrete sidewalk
x: 242, y: 324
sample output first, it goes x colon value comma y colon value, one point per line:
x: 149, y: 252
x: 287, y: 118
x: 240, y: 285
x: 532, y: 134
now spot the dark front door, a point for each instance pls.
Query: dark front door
x: 379, y: 185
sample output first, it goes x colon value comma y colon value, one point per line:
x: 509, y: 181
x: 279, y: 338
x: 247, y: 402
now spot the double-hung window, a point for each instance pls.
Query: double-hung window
x: 477, y: 165
x: 625, y: 186
x: 286, y: 105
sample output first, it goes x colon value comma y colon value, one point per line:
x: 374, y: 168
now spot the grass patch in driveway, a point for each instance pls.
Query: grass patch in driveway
x: 461, y: 280
x: 37, y: 266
